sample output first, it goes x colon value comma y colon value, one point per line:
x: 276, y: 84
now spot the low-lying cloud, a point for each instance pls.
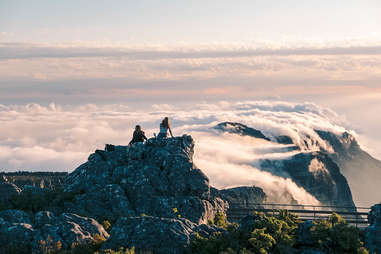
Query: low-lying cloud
x: 35, y: 137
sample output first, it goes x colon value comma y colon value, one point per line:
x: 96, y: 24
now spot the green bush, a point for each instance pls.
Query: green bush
x: 334, y: 235
x: 276, y: 234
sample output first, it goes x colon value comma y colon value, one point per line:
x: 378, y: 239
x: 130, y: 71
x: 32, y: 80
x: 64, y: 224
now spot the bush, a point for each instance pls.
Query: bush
x: 334, y: 235
x: 264, y: 234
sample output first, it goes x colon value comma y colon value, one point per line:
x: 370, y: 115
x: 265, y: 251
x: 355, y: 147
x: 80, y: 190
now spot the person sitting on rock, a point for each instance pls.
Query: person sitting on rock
x: 138, y: 136
x: 164, y: 128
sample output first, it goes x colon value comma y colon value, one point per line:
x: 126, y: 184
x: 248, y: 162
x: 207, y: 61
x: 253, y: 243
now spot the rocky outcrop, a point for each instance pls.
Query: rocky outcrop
x: 47, y: 231
x: 373, y: 232
x: 152, y: 179
x: 160, y: 235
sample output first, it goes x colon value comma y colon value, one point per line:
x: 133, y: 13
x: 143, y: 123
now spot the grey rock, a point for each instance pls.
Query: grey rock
x: 47, y: 230
x: 151, y: 178
x: 373, y: 232
x: 161, y: 235
x: 15, y: 216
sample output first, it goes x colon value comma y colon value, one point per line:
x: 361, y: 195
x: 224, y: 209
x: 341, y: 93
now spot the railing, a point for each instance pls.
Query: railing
x: 356, y: 216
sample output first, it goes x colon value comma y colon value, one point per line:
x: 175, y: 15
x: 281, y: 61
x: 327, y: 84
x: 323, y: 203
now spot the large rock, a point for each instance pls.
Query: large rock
x: 373, y: 232
x: 151, y: 179
x: 161, y: 235
x: 47, y: 231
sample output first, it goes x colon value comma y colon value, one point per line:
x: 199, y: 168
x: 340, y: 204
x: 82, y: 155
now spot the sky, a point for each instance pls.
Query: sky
x: 154, y: 55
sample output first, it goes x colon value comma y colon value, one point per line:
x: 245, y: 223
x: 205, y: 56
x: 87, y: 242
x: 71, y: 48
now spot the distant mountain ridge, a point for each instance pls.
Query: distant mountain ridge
x: 329, y: 175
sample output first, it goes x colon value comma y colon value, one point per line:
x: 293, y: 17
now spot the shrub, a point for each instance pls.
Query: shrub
x: 265, y: 234
x: 334, y: 235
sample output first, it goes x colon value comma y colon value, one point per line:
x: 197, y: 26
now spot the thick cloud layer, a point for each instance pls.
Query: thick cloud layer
x: 34, y: 137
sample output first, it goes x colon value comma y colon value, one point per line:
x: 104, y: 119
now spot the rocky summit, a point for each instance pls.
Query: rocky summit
x: 157, y: 178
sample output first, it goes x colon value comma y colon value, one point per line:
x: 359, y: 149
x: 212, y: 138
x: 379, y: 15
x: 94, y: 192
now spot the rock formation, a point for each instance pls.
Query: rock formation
x: 160, y: 235
x: 47, y: 231
x: 151, y: 179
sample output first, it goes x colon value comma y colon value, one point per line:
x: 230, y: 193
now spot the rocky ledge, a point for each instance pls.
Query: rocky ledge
x: 155, y: 179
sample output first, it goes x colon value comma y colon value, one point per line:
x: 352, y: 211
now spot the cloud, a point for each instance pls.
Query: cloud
x: 55, y: 137
x: 30, y: 50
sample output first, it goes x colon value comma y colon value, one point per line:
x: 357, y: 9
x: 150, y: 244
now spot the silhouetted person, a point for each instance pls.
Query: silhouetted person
x: 138, y: 136
x: 164, y: 128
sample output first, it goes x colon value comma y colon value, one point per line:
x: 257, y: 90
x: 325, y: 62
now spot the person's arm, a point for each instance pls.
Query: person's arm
x: 144, y: 136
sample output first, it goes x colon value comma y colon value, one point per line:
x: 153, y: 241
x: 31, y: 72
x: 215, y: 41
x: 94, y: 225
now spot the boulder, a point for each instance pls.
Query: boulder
x: 151, y: 178
x: 47, y: 231
x: 161, y: 235
x: 373, y: 232
x: 15, y: 216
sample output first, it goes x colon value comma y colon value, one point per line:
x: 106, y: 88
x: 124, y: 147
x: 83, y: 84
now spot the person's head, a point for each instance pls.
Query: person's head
x: 165, y: 121
x: 138, y: 128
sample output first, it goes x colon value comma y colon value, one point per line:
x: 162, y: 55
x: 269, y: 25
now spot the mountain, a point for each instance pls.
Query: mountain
x: 359, y: 167
x: 330, y: 170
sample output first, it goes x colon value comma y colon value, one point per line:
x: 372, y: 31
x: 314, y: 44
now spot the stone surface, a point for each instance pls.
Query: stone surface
x: 161, y: 235
x: 373, y: 232
x: 17, y: 229
x: 151, y: 178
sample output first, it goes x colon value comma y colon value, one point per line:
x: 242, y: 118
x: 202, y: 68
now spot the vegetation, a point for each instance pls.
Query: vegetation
x: 336, y: 236
x: 264, y: 234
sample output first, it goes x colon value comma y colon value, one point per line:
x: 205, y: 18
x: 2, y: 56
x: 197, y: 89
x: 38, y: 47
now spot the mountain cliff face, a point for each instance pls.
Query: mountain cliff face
x: 356, y: 165
x: 319, y: 172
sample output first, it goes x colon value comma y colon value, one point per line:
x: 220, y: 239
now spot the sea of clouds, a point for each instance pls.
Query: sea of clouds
x: 42, y: 138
